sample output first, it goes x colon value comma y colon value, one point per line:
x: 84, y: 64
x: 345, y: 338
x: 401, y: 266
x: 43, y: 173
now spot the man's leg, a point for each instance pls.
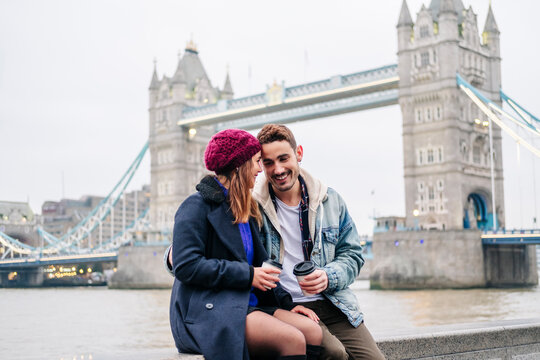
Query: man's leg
x: 358, y: 341
x: 333, y: 349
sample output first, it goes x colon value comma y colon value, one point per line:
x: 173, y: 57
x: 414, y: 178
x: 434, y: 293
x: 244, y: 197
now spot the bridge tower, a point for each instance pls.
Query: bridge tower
x: 177, y: 153
x: 445, y: 136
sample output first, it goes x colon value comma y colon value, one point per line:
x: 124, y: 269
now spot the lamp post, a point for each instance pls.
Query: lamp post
x: 415, y: 214
x: 489, y: 124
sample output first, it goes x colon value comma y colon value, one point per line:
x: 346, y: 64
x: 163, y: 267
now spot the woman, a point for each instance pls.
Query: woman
x: 224, y: 304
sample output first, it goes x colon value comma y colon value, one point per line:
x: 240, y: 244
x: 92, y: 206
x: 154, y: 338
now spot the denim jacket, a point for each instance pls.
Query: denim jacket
x: 336, y: 249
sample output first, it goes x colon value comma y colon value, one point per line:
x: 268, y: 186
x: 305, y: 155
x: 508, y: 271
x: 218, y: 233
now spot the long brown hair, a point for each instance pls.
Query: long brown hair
x: 243, y: 206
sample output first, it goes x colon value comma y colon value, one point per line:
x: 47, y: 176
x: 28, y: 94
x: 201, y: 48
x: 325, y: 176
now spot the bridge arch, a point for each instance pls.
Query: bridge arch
x: 476, y: 215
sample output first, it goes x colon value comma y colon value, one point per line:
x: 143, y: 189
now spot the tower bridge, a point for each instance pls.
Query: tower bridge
x: 448, y: 84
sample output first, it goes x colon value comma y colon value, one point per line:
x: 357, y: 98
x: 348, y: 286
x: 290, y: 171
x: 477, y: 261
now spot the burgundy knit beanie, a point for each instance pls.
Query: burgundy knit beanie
x: 228, y: 149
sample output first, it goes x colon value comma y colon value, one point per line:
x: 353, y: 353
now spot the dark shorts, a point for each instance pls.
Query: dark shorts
x: 270, y: 310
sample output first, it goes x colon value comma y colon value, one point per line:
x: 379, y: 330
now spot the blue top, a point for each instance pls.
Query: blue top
x: 247, y: 240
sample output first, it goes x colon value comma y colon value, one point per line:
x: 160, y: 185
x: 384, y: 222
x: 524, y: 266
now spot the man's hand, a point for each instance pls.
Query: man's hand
x: 263, y: 279
x: 315, y: 283
x: 299, y: 309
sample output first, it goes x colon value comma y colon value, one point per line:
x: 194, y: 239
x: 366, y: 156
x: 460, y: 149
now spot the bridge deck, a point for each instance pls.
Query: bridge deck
x: 25, y: 262
x: 516, y: 237
x: 332, y: 96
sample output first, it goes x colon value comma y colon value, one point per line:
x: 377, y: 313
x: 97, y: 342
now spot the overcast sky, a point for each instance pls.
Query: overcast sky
x: 74, y: 79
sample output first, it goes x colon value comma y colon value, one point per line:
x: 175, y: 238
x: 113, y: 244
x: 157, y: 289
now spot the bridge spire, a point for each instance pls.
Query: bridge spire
x: 491, y: 34
x: 227, y: 92
x: 154, y: 83
x: 491, y: 24
x: 405, y: 18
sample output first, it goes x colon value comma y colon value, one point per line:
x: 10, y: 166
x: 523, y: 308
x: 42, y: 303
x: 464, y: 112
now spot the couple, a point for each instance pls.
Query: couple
x: 224, y: 304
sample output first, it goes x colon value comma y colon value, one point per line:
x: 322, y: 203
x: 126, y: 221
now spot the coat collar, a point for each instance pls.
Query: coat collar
x: 210, y: 190
x: 317, y: 192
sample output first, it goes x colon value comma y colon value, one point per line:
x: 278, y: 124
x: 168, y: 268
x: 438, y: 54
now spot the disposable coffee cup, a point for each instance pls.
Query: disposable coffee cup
x: 301, y: 270
x: 271, y: 264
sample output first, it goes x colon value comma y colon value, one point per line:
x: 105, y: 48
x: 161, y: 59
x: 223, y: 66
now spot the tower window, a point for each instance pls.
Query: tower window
x: 476, y: 154
x: 424, y: 31
x: 440, y: 185
x: 419, y: 116
x: 424, y: 59
x: 430, y: 156
x: 440, y: 153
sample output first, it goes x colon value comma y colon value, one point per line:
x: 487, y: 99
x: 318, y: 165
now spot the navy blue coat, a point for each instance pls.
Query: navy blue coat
x: 210, y: 294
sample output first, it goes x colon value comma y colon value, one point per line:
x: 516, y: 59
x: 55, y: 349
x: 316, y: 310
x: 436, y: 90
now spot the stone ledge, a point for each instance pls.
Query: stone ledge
x: 511, y: 339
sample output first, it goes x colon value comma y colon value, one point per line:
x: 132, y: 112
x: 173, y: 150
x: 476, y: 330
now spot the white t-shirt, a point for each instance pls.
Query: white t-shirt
x: 289, y: 220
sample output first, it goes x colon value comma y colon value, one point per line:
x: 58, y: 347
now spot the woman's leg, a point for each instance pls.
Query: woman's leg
x: 266, y: 335
x: 311, y: 330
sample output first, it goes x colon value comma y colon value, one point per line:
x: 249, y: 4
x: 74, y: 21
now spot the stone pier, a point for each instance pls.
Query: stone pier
x: 448, y: 259
x: 32, y: 277
x: 141, y: 267
x: 510, y: 265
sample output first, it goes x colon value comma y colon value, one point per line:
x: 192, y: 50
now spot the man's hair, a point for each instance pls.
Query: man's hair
x: 275, y: 132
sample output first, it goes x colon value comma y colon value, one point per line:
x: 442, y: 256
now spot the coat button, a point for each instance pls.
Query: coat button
x: 209, y: 306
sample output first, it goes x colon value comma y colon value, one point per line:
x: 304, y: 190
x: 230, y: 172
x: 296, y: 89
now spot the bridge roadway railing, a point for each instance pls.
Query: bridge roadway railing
x: 35, y: 262
x: 326, y: 93
x: 512, y: 237
x: 317, y: 110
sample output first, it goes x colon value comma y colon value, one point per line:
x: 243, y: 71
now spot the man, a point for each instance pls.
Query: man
x: 305, y: 220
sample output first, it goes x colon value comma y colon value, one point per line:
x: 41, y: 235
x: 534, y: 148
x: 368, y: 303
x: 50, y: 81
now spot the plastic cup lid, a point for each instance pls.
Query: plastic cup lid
x: 304, y: 268
x: 274, y: 263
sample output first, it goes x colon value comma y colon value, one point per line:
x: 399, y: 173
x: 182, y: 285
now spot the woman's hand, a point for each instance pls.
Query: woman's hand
x: 299, y: 309
x: 263, y: 278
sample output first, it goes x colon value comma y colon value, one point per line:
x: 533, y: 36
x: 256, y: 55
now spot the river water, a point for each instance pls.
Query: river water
x: 80, y: 323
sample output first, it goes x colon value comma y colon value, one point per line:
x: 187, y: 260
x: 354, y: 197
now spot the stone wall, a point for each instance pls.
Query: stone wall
x: 448, y: 259
x: 141, y: 267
